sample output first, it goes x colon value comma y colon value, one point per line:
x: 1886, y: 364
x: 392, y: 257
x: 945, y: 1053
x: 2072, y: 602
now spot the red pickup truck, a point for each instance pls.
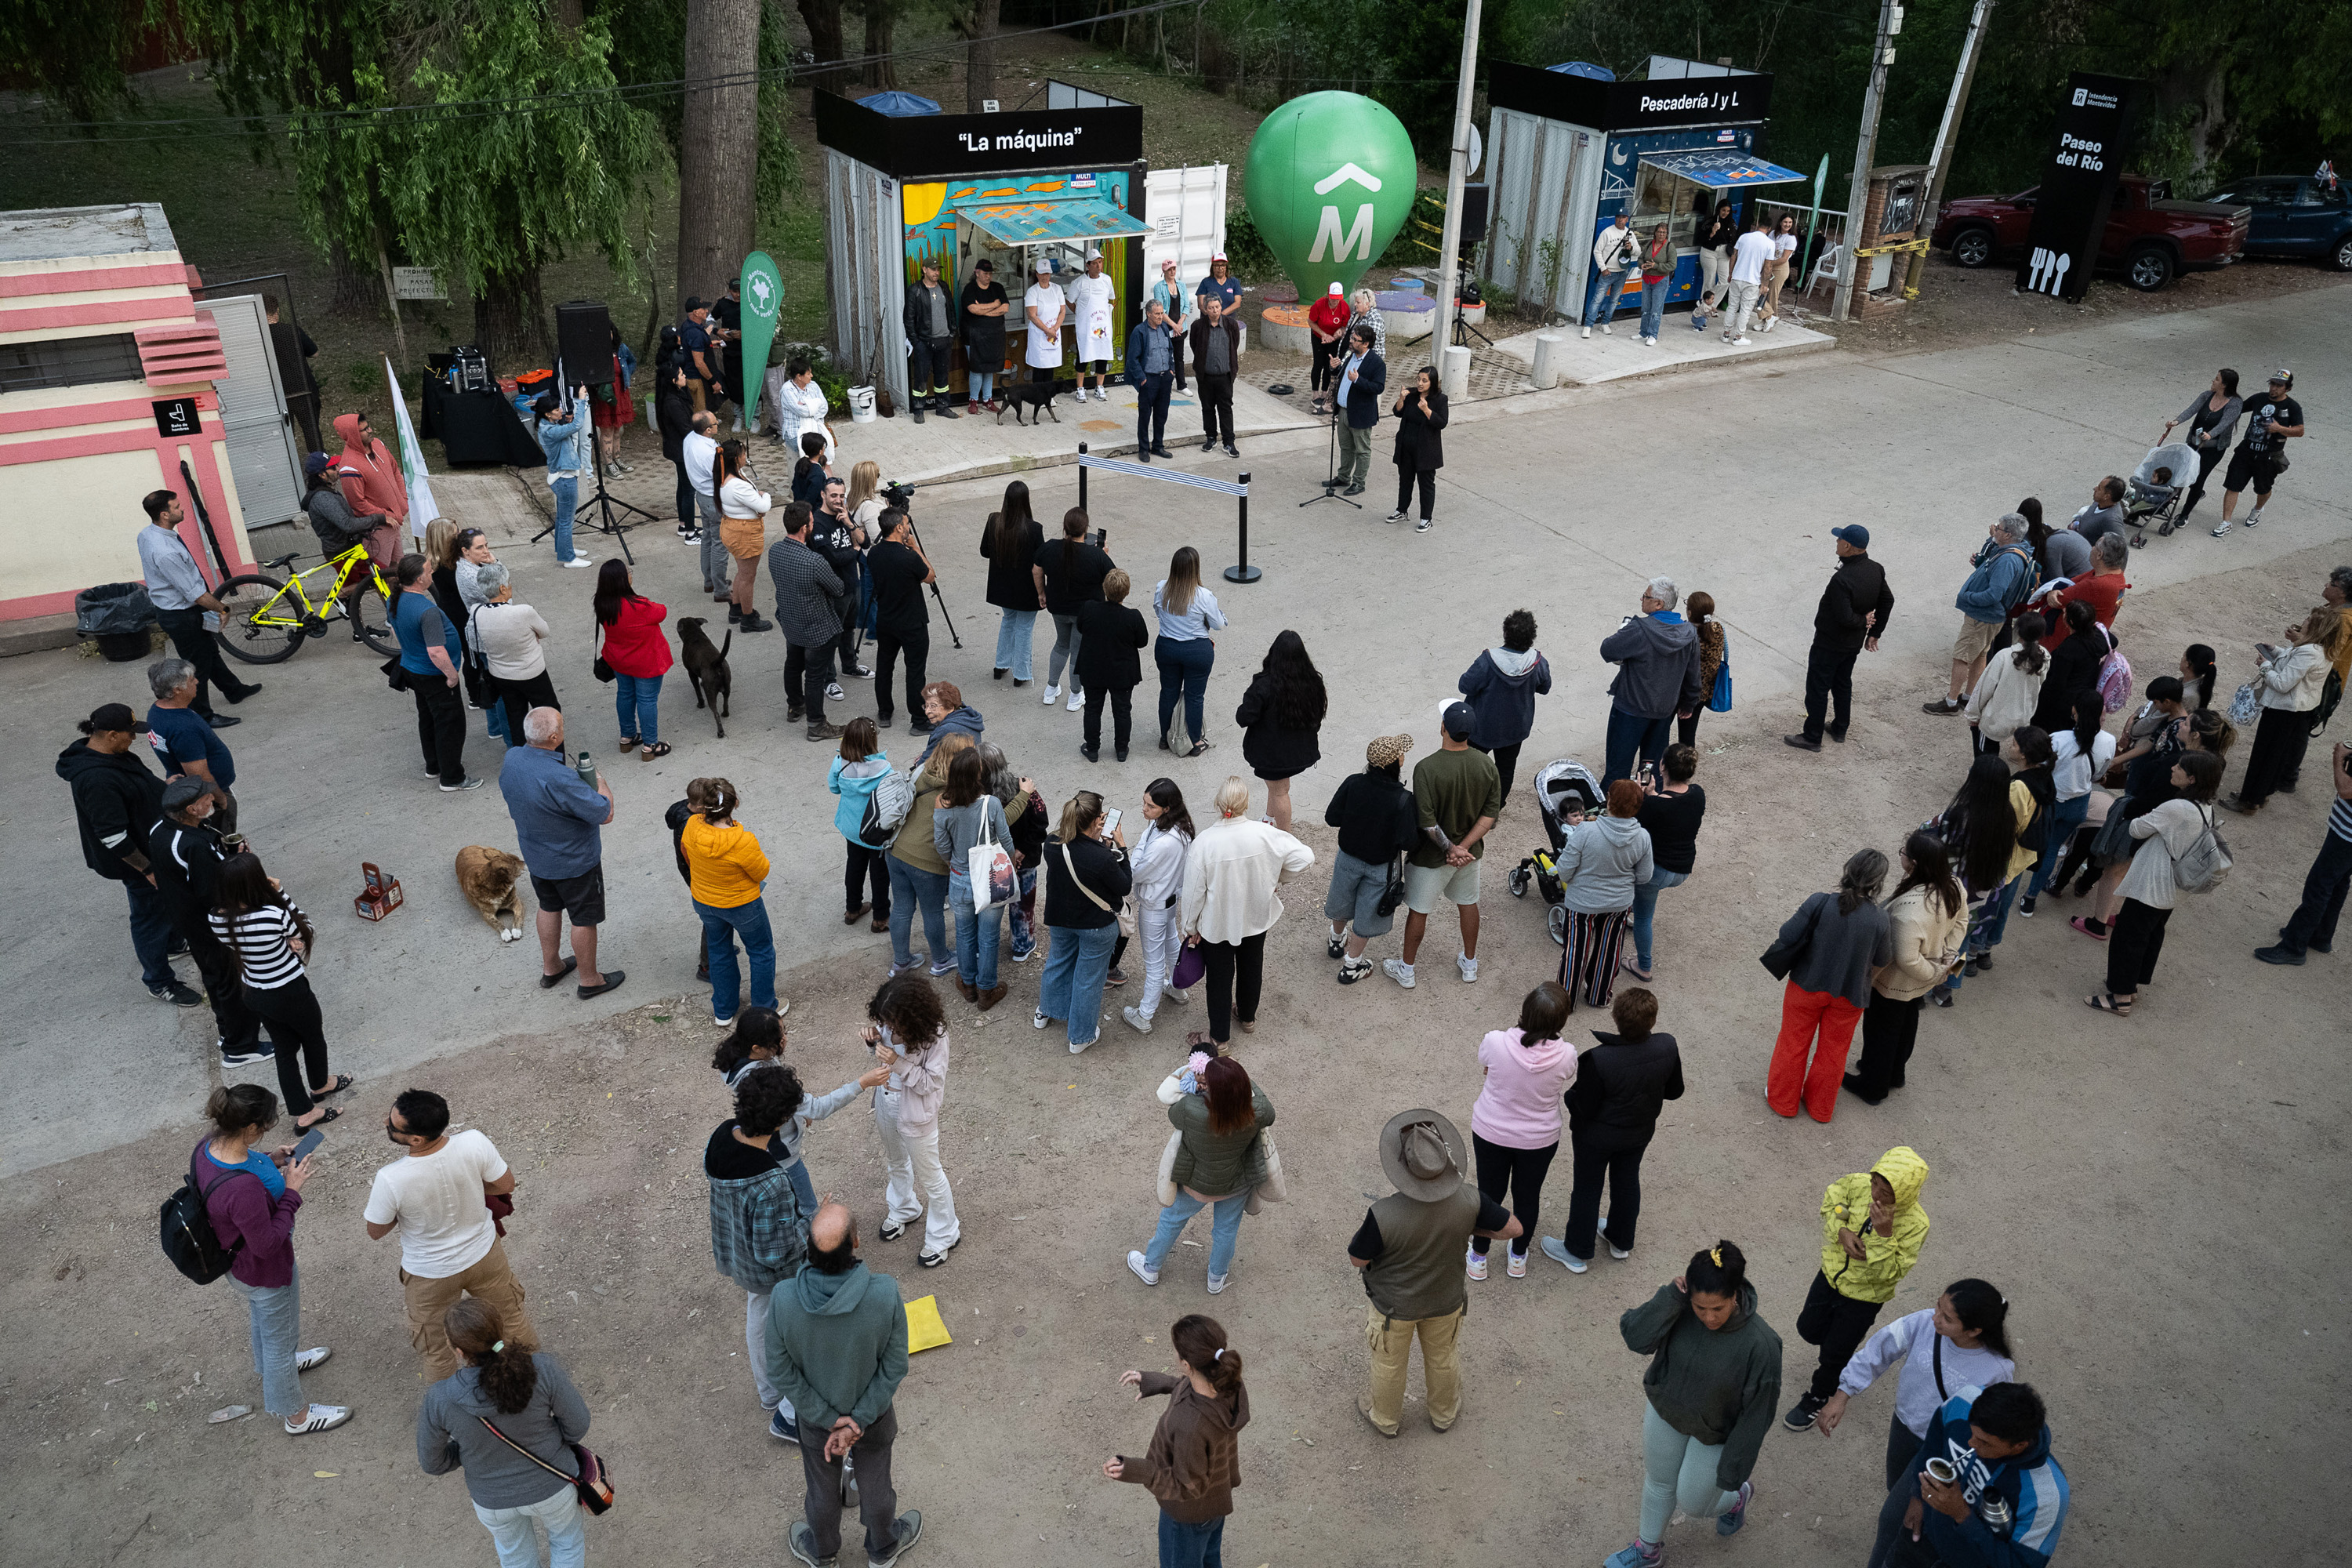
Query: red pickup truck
x: 2150, y: 238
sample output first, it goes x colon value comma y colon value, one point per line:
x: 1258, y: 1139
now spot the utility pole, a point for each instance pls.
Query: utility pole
x: 1890, y: 22
x: 1940, y: 160
x: 1457, y: 174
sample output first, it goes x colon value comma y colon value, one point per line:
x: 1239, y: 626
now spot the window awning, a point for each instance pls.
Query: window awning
x: 1721, y: 170
x: 1046, y: 223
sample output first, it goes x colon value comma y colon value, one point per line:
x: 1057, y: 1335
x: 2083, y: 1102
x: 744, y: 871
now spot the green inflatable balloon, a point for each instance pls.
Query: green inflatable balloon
x: 1331, y: 178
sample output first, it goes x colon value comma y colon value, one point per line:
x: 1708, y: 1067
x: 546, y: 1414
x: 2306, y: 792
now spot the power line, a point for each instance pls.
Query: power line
x: 252, y: 124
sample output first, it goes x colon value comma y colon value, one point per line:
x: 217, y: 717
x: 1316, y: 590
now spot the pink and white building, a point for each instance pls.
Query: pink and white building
x: 111, y: 378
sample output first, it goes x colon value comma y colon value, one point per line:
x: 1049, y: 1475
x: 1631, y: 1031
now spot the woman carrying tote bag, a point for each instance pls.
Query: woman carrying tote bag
x: 969, y: 829
x: 512, y: 1421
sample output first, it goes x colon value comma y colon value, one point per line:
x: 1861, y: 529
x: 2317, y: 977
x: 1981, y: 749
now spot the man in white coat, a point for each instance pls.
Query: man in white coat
x: 1091, y: 298
x: 1046, y: 309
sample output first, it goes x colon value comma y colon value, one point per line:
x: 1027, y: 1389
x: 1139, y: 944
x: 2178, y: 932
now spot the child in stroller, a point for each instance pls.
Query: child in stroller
x: 2151, y: 494
x: 1562, y: 785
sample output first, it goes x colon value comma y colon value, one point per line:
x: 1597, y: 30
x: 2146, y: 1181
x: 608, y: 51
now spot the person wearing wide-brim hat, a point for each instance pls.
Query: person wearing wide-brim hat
x: 1410, y: 1248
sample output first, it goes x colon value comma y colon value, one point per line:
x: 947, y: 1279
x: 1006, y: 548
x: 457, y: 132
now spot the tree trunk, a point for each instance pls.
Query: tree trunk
x: 353, y: 288
x: 502, y: 323
x: 980, y: 56
x: 822, y: 19
x: 881, y: 21
x: 718, y: 146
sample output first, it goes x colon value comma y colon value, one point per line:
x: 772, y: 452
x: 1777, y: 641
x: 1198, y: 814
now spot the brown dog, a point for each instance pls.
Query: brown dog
x: 706, y: 669
x: 491, y: 881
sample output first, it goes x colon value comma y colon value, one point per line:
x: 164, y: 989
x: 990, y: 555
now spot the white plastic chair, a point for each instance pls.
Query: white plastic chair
x: 1825, y: 265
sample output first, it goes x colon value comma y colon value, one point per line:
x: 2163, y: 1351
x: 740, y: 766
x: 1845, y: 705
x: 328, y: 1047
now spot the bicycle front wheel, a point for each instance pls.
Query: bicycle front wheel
x: 261, y: 623
x: 373, y: 617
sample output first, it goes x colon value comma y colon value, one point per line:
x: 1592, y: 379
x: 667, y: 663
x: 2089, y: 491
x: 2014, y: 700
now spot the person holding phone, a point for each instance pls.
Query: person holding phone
x: 251, y: 1198
x: 1087, y: 876
x: 1872, y: 1230
x: 2290, y: 681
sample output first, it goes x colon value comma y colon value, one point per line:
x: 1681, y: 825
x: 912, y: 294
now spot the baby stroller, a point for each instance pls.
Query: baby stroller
x: 2148, y: 499
x: 1562, y: 786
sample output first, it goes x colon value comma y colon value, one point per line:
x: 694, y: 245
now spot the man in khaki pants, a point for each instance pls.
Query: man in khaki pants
x: 1411, y: 1248
x: 436, y: 1197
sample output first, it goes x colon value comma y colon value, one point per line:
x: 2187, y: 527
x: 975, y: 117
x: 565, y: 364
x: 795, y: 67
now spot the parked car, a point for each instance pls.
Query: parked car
x: 2294, y: 215
x: 2150, y: 238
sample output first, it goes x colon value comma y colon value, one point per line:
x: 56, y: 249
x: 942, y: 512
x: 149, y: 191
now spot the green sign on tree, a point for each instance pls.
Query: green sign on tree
x: 763, y: 301
x: 1331, y: 179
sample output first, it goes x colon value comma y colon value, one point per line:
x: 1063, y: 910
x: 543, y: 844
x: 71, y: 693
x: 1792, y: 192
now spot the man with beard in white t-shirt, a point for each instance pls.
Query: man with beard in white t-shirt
x: 436, y: 1197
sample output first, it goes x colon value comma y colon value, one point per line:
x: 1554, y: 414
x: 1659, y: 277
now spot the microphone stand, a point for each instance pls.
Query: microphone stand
x: 1331, y: 469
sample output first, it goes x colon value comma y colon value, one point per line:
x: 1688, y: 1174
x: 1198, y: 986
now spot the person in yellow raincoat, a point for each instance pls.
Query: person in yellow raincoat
x: 1872, y: 1230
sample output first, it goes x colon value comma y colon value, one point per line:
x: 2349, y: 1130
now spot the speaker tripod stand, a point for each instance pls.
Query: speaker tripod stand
x: 602, y: 500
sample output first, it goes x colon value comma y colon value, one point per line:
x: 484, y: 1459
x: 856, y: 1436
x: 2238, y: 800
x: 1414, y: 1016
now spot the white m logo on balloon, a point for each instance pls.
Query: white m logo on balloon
x: 1358, y: 237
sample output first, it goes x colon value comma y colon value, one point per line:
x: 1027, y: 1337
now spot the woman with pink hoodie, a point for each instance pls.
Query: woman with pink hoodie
x: 1515, y: 1125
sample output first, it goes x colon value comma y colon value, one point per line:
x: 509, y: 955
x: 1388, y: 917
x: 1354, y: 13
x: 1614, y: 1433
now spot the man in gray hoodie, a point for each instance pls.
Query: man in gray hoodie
x: 1657, y: 656
x: 838, y: 1348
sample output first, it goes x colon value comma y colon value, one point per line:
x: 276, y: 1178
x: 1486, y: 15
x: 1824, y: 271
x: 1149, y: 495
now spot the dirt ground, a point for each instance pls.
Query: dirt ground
x: 2144, y: 1190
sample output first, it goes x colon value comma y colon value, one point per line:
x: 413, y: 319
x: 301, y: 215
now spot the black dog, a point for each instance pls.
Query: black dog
x: 1034, y: 394
x: 706, y: 672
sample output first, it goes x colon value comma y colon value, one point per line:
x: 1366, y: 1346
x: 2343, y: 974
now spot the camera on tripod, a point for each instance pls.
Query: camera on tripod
x: 900, y: 494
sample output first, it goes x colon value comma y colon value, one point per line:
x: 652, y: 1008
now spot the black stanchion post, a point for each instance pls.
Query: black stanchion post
x: 1242, y: 570
x: 1082, y: 478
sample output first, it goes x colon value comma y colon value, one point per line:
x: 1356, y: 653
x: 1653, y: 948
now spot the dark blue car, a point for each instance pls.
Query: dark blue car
x: 2294, y: 215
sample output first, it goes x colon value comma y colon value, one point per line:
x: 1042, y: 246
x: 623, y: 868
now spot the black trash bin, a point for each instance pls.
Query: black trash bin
x: 118, y: 616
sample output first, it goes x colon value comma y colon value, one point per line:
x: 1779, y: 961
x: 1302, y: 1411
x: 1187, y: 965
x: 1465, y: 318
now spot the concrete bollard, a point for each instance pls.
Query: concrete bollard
x: 1546, y: 366
x: 1454, y: 372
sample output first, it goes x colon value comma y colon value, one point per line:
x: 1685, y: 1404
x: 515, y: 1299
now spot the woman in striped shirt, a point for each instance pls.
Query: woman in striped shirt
x: 270, y: 938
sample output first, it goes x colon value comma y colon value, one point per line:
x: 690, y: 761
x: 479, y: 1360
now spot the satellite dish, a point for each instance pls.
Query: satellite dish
x: 1477, y: 152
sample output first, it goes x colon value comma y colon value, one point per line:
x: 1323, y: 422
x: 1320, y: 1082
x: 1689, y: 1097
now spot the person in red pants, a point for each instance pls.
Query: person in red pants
x: 1826, y: 951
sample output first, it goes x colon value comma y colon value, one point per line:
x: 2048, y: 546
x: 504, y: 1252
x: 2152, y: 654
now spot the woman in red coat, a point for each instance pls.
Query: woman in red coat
x: 630, y: 639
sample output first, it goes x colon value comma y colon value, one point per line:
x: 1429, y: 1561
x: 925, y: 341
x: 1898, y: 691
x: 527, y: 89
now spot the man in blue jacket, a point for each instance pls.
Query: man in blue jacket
x: 1151, y: 371
x: 836, y: 1343
x: 1657, y: 656
x: 2003, y: 574
x: 1358, y: 383
x: 2007, y: 1496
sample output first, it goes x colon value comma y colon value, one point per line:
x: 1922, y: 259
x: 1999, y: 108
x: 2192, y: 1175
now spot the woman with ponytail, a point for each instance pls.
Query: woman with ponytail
x: 728, y: 872
x: 1193, y: 1463
x: 1927, y: 915
x: 509, y: 1417
x: 1713, y: 1382
x: 1961, y: 1343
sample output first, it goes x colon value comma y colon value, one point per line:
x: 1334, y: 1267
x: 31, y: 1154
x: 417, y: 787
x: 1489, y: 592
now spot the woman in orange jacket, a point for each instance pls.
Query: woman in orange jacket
x: 727, y: 870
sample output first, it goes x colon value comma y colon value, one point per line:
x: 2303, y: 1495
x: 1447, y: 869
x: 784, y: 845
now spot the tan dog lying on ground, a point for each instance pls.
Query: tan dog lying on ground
x: 490, y: 879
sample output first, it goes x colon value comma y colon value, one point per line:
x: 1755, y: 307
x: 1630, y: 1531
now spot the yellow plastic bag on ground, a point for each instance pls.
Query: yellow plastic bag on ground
x: 925, y: 1329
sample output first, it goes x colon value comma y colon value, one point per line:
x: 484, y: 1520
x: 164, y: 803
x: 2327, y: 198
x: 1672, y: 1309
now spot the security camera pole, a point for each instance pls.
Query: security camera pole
x: 1457, y: 174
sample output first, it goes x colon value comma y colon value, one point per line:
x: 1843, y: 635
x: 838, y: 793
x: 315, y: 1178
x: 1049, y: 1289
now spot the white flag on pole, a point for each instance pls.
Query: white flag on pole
x: 422, y: 508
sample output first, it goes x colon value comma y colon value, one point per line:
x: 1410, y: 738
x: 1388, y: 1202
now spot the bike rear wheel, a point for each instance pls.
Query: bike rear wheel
x: 373, y: 619
x: 260, y: 622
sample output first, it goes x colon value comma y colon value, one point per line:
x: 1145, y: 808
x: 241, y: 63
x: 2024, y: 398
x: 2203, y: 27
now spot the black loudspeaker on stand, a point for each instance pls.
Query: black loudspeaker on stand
x: 583, y: 341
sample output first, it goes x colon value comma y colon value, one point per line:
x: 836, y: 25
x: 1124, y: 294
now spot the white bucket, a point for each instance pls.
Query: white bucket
x: 861, y: 405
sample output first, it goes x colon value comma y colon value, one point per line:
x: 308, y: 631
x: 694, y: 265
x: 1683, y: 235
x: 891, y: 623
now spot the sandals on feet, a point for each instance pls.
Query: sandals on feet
x: 2108, y: 1002
x: 658, y: 749
x: 342, y: 1081
x: 326, y: 1114
x: 628, y: 742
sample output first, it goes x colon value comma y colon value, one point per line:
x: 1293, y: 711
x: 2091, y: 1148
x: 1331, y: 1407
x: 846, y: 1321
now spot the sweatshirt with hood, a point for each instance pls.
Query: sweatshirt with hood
x: 964, y: 720
x: 1718, y: 1386
x: 380, y: 476
x: 117, y: 800
x: 1194, y: 1461
x: 1519, y: 1100
x: 1656, y: 657
x: 837, y: 1344
x: 1501, y: 689
x: 2030, y: 1483
x: 1602, y: 861
x: 1846, y: 1206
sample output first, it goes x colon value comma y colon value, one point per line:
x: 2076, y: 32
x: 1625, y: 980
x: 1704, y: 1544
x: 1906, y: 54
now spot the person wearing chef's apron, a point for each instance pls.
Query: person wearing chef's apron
x: 1045, y: 307
x: 1091, y: 298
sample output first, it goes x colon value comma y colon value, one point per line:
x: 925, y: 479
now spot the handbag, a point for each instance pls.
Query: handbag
x: 990, y: 866
x: 1167, y: 1188
x: 1092, y: 896
x: 1393, y: 894
x: 1188, y: 969
x: 593, y: 1483
x: 1781, y: 956
x: 602, y: 670
x: 2246, y: 707
x: 1719, y: 701
x: 395, y: 674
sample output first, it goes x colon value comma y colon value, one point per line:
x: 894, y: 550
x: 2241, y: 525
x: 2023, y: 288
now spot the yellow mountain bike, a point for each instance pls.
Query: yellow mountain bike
x: 268, y: 619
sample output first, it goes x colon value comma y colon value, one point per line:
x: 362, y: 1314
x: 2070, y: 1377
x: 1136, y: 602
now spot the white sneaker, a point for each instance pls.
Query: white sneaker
x: 1136, y: 1021
x: 1078, y: 699
x: 1768, y: 323
x: 1053, y: 695
x: 1425, y: 525
x: 1468, y: 967
x: 1397, y: 516
x: 1135, y: 1267
x: 1607, y: 330
x: 577, y: 562
x: 1398, y: 970
x: 1077, y: 1048
x: 1473, y: 1264
x: 2253, y: 517
x: 322, y: 1418
x: 1615, y: 1251
x: 1739, y: 342
x: 1515, y: 1264
x: 1217, y: 1283
x: 1587, y: 332
x: 1037, y: 1020
x: 2221, y: 528
x: 315, y: 1356
x: 834, y: 693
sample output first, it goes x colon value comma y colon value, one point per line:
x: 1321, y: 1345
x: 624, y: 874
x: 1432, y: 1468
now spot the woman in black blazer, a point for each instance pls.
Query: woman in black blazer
x: 1009, y: 540
x: 1420, y: 414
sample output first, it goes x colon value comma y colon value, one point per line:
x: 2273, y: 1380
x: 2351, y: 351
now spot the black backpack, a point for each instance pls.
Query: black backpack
x: 189, y: 1239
